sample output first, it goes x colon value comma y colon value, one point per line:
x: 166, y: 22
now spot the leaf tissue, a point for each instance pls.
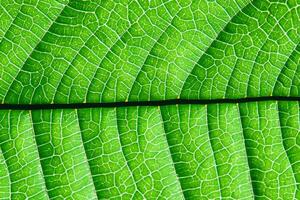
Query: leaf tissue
x: 149, y: 99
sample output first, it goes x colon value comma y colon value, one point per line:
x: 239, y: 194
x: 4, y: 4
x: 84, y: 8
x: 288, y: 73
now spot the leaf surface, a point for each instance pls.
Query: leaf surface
x: 181, y: 151
x: 108, y: 51
x: 151, y: 99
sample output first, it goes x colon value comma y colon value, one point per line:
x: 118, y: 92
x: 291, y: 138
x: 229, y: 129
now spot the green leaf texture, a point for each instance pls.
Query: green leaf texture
x: 76, y: 52
x: 237, y: 151
x: 107, y: 51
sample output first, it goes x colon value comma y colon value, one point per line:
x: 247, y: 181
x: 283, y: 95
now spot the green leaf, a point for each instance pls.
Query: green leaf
x: 107, y: 51
x: 182, y: 151
x: 151, y: 99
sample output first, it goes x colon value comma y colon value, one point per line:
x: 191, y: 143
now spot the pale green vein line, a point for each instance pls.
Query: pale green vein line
x: 9, y: 170
x: 170, y: 153
x: 208, y: 47
x: 265, y: 42
x: 71, y: 63
x: 125, y: 157
x: 9, y: 179
x: 85, y: 155
x: 35, y: 143
x: 213, y: 152
x: 50, y: 25
x: 286, y: 152
x: 9, y: 176
x: 286, y: 66
x: 246, y: 151
x: 298, y: 66
x: 11, y: 24
x: 150, y: 51
x: 108, y: 51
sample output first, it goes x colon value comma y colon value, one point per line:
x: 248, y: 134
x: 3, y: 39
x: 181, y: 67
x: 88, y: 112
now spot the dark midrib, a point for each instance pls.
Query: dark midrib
x: 143, y: 103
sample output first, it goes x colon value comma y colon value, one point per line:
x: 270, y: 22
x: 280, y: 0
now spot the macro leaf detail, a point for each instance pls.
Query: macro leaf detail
x: 149, y: 99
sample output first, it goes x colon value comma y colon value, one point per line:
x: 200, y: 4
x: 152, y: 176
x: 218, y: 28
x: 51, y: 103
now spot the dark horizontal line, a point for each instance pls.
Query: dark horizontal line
x: 143, y: 103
